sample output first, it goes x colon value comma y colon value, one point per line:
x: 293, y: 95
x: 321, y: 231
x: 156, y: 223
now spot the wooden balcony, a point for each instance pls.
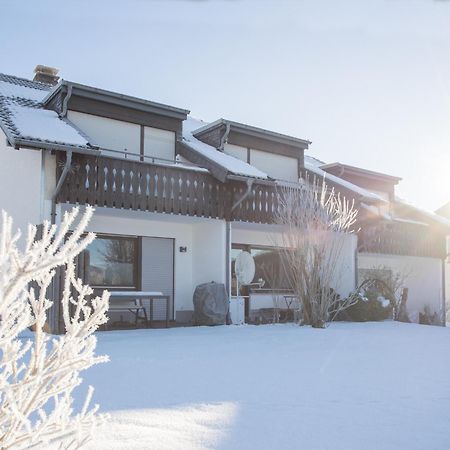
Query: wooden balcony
x: 135, y: 185
x: 401, y: 239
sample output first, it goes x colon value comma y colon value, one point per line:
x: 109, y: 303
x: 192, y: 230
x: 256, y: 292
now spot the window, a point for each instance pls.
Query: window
x: 268, y: 267
x: 277, y: 166
x: 159, y: 144
x: 111, y: 261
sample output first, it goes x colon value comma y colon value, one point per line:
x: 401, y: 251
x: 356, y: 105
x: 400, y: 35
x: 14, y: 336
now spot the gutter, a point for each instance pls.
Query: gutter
x: 444, y: 294
x: 85, y: 91
x: 41, y: 145
x: 266, y: 182
x: 61, y: 180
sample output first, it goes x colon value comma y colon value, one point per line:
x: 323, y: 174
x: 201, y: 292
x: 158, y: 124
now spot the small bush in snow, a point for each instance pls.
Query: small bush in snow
x: 37, y: 378
x: 372, y: 308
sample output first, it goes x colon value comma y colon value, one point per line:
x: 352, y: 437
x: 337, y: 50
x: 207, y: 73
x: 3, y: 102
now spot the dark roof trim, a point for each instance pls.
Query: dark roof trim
x: 217, y: 171
x: 346, y: 192
x: 352, y: 170
x: 42, y: 145
x: 195, y: 157
x: 115, y: 98
x: 435, y: 220
x: 253, y: 131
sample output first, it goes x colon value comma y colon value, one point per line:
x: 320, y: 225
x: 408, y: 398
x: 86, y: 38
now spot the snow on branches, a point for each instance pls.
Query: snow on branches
x: 315, y: 223
x: 38, y: 377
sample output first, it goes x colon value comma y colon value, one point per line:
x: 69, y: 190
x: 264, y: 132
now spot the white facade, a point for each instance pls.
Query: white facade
x: 22, y: 184
x: 270, y: 235
x: 125, y: 136
x: 159, y: 143
x: 424, y: 279
x: 276, y: 166
x: 236, y: 150
x: 204, y: 239
x: 108, y: 133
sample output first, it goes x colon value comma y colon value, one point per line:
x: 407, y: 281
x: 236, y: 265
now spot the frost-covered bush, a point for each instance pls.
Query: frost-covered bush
x: 315, y: 222
x: 38, y: 377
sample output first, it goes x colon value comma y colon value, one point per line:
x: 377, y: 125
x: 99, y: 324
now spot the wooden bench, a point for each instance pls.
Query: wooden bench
x: 133, y: 301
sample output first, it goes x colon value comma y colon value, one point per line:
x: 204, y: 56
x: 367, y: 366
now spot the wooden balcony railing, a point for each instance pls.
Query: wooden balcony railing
x: 401, y: 239
x: 127, y: 184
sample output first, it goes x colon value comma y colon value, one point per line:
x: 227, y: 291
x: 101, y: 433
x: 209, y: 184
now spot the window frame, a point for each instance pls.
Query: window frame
x: 136, y: 264
x: 248, y: 248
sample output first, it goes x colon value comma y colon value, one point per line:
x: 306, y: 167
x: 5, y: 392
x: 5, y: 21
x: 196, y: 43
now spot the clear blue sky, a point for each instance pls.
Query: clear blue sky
x: 367, y: 81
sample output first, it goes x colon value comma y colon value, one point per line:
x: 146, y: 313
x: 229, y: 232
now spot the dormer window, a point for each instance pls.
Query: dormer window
x: 120, y: 125
x: 278, y: 155
x: 159, y: 144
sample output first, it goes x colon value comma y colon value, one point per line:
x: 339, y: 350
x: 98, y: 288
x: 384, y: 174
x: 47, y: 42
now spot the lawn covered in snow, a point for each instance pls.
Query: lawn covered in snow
x: 352, y: 386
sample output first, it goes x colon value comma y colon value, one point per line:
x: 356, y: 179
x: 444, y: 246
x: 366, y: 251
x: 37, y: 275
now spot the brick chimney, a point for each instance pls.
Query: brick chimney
x: 46, y: 74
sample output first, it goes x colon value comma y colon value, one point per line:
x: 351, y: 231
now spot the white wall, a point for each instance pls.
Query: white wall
x: 108, y: 133
x: 277, y: 166
x: 118, y: 135
x: 159, y: 143
x: 204, y: 260
x: 20, y: 175
x: 209, y: 252
x: 236, y: 150
x: 48, y: 184
x: 256, y: 234
x: 424, y: 279
x: 270, y: 235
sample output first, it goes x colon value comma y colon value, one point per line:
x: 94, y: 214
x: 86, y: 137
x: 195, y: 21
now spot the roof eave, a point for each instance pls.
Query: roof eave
x: 255, y: 132
x: 361, y: 171
x: 118, y: 99
x: 42, y: 145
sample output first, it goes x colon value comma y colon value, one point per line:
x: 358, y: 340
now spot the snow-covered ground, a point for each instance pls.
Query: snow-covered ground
x: 352, y: 386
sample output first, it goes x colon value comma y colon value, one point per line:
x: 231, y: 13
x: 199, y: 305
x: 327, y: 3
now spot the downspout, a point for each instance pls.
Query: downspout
x: 224, y: 137
x: 61, y: 180
x: 228, y: 263
x: 66, y: 101
x: 228, y: 244
x: 444, y: 294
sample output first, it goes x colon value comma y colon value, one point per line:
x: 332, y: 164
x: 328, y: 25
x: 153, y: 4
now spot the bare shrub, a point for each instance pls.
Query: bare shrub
x: 315, y: 222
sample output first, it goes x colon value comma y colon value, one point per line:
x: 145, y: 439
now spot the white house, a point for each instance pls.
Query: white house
x: 177, y: 198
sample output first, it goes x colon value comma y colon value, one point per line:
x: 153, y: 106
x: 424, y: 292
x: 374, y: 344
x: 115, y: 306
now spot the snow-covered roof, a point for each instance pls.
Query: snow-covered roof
x: 43, y: 125
x: 8, y: 88
x: 314, y: 165
x: 436, y: 218
x: 25, y: 121
x: 229, y: 163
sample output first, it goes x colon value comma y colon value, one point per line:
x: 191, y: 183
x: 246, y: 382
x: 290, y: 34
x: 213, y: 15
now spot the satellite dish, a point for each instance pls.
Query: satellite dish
x: 244, y: 268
